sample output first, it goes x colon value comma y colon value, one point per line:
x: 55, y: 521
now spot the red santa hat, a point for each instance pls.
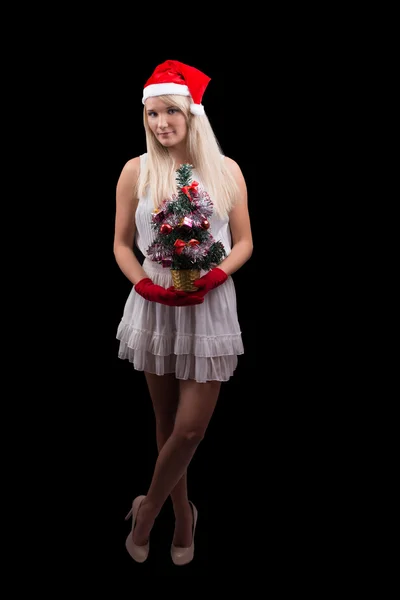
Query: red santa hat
x: 173, y: 77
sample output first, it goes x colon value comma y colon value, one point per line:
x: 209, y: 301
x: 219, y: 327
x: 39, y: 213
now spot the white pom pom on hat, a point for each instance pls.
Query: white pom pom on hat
x: 174, y: 77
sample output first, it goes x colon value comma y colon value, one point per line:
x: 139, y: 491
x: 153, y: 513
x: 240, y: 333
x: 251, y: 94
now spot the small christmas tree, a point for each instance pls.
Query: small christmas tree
x: 183, y: 241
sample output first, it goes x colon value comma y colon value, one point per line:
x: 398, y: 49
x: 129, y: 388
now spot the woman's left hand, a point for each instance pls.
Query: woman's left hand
x: 210, y: 281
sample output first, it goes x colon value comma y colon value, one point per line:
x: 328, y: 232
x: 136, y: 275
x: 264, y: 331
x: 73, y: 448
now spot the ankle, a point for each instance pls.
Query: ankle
x: 149, y: 509
x: 182, y: 510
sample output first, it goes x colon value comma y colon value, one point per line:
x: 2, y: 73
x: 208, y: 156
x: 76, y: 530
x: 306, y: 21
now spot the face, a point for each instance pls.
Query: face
x: 168, y: 123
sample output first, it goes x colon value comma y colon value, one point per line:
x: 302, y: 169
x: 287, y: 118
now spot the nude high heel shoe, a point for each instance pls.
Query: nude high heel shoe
x: 182, y: 556
x: 138, y: 553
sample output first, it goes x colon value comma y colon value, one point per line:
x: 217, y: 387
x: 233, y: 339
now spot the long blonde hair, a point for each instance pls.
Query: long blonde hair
x: 158, y: 175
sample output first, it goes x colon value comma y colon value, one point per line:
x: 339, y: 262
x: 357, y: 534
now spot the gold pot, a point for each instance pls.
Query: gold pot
x: 183, y: 279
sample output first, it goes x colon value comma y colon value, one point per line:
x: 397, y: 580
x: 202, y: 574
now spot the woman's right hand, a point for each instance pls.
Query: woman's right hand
x: 156, y: 293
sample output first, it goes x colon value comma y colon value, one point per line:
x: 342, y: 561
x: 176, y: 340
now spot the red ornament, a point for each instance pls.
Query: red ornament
x: 165, y: 228
x: 205, y: 224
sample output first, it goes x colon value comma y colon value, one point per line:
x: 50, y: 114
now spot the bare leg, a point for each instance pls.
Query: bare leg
x: 197, y: 402
x: 164, y: 392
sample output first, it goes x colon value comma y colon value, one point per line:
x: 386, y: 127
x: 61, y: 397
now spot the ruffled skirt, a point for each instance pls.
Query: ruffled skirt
x: 200, y: 342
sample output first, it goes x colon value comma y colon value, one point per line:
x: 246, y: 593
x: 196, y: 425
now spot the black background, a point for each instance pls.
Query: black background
x: 245, y: 478
x: 257, y: 476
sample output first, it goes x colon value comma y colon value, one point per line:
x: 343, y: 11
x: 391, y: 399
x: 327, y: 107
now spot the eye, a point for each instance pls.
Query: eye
x: 172, y: 111
x: 151, y: 113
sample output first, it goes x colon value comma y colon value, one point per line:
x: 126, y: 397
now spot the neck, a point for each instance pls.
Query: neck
x: 179, y: 157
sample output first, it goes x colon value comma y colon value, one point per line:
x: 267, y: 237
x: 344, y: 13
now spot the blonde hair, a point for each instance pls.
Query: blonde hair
x: 158, y: 175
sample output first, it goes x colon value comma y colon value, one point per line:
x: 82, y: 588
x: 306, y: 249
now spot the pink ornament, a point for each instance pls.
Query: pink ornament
x: 186, y: 223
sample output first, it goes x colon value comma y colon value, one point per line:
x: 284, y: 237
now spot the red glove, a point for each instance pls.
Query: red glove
x: 209, y: 281
x: 156, y: 293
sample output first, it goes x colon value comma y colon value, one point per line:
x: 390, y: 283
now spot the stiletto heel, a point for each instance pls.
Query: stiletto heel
x: 182, y: 556
x: 138, y: 553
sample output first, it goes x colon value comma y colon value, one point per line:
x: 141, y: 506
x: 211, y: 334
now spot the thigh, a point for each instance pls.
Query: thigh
x: 197, y: 402
x: 164, y: 393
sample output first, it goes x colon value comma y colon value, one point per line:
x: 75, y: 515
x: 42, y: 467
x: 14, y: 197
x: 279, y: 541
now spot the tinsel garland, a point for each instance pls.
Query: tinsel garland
x: 183, y: 239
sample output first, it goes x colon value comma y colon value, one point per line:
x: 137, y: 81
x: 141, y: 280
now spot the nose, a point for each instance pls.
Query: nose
x: 162, y: 121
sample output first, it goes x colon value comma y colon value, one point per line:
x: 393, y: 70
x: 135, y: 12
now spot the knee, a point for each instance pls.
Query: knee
x: 191, y: 436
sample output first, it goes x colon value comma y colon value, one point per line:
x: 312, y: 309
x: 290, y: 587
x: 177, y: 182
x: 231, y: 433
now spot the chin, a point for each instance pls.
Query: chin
x: 168, y: 143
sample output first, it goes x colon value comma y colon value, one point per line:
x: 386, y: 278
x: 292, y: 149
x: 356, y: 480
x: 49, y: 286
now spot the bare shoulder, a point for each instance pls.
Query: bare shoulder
x: 126, y: 196
x: 130, y: 170
x: 234, y: 168
x: 127, y: 180
x: 237, y: 174
x: 133, y: 164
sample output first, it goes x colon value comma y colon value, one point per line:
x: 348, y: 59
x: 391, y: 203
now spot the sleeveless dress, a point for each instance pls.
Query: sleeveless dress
x: 200, y: 342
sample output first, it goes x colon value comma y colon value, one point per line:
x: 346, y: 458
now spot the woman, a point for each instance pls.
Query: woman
x: 186, y: 343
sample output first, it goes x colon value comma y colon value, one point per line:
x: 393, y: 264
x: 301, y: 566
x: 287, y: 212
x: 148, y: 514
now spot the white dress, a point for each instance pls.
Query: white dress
x: 200, y: 342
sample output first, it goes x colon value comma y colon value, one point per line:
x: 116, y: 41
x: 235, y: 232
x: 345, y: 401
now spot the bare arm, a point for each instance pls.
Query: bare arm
x: 125, y: 228
x: 239, y: 221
